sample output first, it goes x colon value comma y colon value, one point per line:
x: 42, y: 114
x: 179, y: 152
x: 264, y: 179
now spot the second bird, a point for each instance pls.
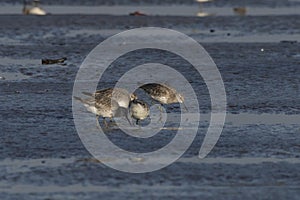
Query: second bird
x: 139, y: 110
x: 162, y: 93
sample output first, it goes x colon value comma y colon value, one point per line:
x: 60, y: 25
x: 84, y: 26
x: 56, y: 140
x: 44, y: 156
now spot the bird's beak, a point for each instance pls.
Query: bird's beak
x: 127, y: 115
x: 185, y: 107
x: 121, y: 112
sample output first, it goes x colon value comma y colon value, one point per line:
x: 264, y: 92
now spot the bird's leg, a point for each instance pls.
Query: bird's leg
x: 152, y: 102
x: 97, y: 121
x: 160, y: 108
x: 111, y: 122
x: 138, y: 123
x: 105, y: 122
x: 186, y: 109
x: 128, y: 117
x: 160, y: 112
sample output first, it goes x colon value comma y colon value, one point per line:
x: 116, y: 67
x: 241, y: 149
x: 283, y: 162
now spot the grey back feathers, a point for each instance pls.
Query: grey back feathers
x: 120, y: 95
x: 163, y: 93
x: 104, y: 107
x: 106, y: 102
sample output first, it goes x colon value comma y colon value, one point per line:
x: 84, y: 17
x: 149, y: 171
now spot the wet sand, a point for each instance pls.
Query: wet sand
x: 153, y: 10
x: 42, y: 156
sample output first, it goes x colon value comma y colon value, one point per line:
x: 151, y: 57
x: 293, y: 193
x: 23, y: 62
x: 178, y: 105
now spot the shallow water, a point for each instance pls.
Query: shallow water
x: 257, y: 155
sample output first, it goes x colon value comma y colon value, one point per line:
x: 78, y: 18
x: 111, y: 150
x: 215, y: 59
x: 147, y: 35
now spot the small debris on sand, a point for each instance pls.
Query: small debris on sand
x: 53, y: 61
x: 137, y: 13
x: 288, y: 41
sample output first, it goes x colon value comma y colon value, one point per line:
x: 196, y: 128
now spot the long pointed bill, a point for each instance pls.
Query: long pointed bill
x: 185, y: 107
x: 123, y: 112
x: 127, y: 115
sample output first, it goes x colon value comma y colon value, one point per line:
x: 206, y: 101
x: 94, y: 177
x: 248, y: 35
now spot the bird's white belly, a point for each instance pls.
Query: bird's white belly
x: 92, y: 109
x: 139, y: 112
x: 162, y: 100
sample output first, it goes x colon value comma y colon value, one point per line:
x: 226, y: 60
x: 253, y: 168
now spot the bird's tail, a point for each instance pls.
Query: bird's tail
x: 79, y: 99
x: 88, y: 94
x: 86, y: 102
x: 82, y: 100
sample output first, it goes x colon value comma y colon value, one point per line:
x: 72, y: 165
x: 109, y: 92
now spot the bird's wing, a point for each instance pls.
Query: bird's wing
x: 105, y: 93
x: 106, y: 103
x: 156, y: 89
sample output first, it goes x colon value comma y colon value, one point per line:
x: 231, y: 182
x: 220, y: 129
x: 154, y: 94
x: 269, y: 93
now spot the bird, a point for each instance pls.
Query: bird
x: 120, y: 95
x: 105, y: 108
x: 162, y: 93
x: 108, y: 103
x: 139, y: 110
x: 34, y: 10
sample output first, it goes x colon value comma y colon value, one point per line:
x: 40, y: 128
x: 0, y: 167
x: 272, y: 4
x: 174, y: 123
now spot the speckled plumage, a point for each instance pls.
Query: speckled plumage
x: 104, y: 107
x: 163, y: 93
x: 109, y: 102
x: 120, y: 95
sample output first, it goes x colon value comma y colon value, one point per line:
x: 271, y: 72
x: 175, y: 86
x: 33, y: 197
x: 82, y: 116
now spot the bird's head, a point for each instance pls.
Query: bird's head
x: 133, y: 96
